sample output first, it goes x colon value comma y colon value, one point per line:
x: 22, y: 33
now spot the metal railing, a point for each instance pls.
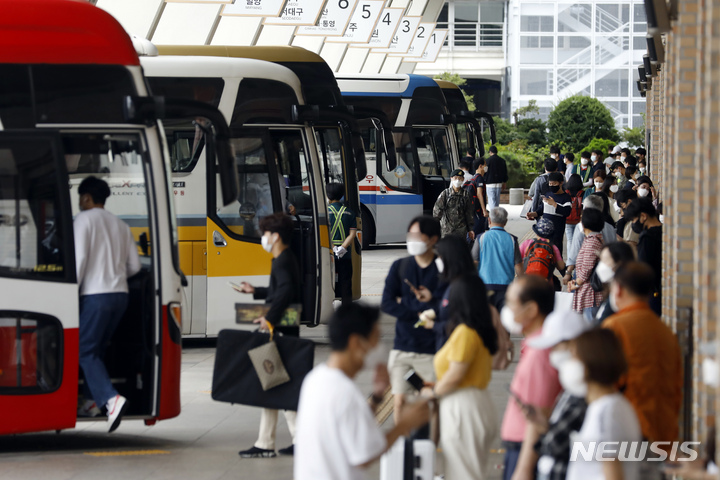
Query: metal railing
x: 473, y: 35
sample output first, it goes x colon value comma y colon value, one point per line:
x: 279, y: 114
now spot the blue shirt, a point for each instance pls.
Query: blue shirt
x: 497, y: 252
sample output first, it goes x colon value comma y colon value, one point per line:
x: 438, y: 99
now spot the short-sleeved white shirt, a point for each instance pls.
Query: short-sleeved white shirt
x: 336, y: 431
x: 608, y: 419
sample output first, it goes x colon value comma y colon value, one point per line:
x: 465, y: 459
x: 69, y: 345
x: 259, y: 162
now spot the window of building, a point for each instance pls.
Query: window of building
x: 534, y: 18
x: 612, y: 18
x: 574, y: 78
x: 639, y: 19
x: 574, y: 50
x: 536, y: 49
x: 536, y: 82
x: 611, y: 83
x: 575, y: 17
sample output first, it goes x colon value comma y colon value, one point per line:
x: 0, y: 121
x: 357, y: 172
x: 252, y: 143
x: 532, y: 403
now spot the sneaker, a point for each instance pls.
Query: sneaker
x: 88, y: 409
x: 287, y: 450
x: 256, y: 452
x: 116, y: 406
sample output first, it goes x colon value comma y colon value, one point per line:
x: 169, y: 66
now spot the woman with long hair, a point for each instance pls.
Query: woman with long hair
x: 574, y: 188
x: 463, y: 366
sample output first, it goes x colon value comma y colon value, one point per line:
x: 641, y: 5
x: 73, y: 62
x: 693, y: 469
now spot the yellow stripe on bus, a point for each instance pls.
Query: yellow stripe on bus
x: 192, y: 233
x: 324, y: 236
x: 237, y: 258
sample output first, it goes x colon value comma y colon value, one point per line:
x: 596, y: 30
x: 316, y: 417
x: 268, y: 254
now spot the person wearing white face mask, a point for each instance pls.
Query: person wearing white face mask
x: 529, y: 300
x: 454, y: 208
x: 652, y: 352
x: 611, y: 257
x: 586, y: 173
x: 412, y: 287
x: 285, y: 288
x: 569, y: 411
x: 596, y: 366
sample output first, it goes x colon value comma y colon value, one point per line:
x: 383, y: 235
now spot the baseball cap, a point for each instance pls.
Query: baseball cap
x: 458, y: 173
x: 558, y: 327
x: 544, y: 228
x: 616, y: 150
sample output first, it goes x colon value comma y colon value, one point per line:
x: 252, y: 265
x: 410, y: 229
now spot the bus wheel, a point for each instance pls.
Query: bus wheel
x: 368, y: 229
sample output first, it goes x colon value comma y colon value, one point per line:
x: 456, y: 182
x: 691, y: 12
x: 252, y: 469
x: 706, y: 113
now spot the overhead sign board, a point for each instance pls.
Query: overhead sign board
x: 254, y: 8
x: 404, y: 36
x: 420, y: 41
x: 298, y: 12
x: 430, y: 55
x: 362, y: 23
x: 333, y: 21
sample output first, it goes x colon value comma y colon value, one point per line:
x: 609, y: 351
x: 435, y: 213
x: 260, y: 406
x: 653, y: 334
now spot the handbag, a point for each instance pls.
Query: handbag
x: 234, y: 376
x: 268, y: 364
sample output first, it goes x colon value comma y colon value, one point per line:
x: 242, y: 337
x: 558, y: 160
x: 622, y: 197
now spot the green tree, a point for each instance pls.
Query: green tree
x: 577, y: 120
x: 532, y: 130
x: 635, y: 137
x: 530, y: 108
x: 599, y: 144
x: 504, y: 131
x: 459, y: 81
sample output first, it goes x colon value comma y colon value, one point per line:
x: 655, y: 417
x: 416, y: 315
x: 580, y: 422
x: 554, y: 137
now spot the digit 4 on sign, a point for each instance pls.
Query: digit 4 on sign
x: 362, y: 23
x: 404, y: 36
x: 385, y: 29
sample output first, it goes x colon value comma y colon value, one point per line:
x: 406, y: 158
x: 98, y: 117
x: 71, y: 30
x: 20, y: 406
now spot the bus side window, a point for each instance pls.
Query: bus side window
x: 35, y: 235
x: 255, y: 199
x: 426, y: 155
x: 403, y: 176
x: 293, y: 176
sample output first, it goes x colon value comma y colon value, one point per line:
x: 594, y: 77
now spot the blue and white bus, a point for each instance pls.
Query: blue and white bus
x: 405, y: 184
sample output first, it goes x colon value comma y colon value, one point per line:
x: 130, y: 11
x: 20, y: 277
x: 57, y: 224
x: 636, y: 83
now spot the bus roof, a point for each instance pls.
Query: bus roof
x: 316, y: 77
x: 62, y: 32
x: 383, y: 85
x: 208, y: 66
x: 453, y: 96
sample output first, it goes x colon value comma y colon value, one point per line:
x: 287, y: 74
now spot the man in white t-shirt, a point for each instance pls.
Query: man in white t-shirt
x: 105, y: 256
x: 337, y: 435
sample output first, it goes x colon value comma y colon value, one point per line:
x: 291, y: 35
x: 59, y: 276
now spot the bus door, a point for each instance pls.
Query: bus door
x: 338, y: 167
x: 274, y: 176
x: 435, y: 164
x: 39, y: 313
x: 121, y: 158
x: 487, y: 128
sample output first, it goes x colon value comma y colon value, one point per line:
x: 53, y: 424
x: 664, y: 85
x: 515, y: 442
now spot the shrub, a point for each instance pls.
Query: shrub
x: 575, y: 121
x: 599, y: 144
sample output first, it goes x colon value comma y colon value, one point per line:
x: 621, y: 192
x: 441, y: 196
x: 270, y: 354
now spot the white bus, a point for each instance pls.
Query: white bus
x: 396, y: 190
x: 285, y: 150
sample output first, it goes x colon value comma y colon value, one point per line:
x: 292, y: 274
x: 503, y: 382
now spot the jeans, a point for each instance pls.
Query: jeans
x: 512, y: 454
x: 99, y: 317
x: 493, y: 192
x: 569, y: 231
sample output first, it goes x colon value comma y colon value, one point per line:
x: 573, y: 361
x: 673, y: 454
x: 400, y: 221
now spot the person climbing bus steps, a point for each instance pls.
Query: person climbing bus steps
x: 343, y: 231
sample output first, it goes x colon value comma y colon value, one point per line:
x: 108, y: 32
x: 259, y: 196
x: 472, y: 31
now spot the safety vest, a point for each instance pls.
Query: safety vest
x: 338, y: 226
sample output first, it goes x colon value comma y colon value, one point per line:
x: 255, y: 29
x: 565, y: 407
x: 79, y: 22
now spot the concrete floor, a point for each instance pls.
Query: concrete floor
x: 202, y: 443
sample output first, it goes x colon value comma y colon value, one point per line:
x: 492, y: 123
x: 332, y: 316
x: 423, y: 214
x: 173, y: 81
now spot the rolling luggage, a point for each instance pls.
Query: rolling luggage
x: 409, y: 460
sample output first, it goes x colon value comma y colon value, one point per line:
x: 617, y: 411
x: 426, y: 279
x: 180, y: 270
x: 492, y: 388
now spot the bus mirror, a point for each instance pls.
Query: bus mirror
x: 144, y: 244
x: 359, y: 155
x: 150, y: 109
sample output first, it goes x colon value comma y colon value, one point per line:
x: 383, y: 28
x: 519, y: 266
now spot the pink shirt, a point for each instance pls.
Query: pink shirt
x: 535, y: 382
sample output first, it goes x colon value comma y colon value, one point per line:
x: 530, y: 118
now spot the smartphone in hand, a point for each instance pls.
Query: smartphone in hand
x: 414, y: 380
x: 525, y: 407
x: 409, y: 284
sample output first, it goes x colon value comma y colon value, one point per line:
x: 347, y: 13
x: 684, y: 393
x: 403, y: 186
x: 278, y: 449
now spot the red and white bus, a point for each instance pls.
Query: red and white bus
x: 74, y: 103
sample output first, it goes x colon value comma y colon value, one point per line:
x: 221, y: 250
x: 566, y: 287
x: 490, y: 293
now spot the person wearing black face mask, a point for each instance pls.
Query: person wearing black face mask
x: 557, y: 206
x: 646, y: 223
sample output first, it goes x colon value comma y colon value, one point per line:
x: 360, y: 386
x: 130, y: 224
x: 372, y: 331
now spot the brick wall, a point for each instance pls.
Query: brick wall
x: 683, y: 125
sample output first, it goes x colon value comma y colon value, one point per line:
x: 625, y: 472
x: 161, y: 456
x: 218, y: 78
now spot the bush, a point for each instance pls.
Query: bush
x: 577, y: 120
x: 504, y: 131
x: 523, y: 163
x: 532, y: 130
x: 635, y: 137
x: 600, y: 144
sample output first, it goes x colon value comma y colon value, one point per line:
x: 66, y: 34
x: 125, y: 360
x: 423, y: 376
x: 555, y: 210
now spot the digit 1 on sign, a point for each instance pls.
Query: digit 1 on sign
x: 344, y: 4
x: 386, y: 19
x: 365, y: 10
x: 434, y: 39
